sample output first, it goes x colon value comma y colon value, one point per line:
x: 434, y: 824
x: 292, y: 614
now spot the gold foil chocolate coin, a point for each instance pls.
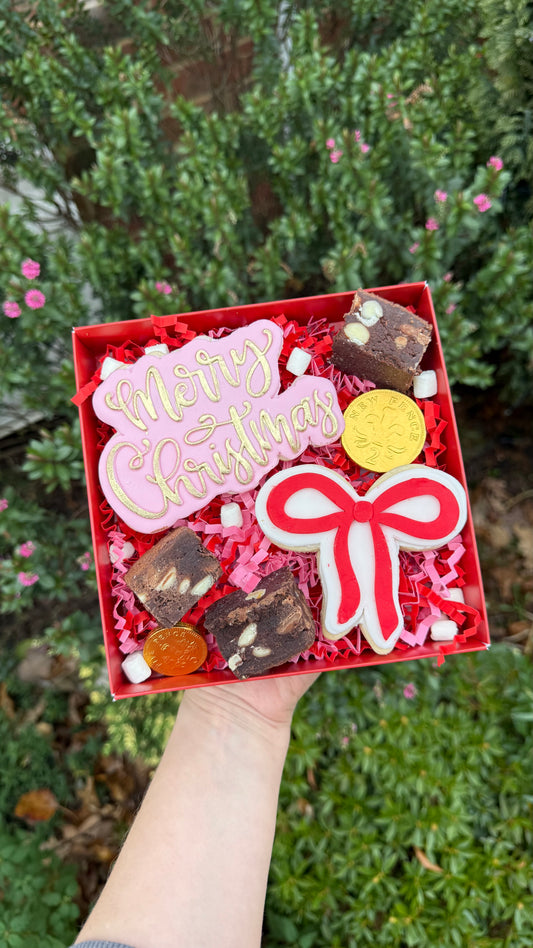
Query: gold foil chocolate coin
x: 176, y: 651
x: 384, y: 429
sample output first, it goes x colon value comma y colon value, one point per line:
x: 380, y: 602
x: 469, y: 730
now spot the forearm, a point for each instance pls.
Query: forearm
x: 198, y: 854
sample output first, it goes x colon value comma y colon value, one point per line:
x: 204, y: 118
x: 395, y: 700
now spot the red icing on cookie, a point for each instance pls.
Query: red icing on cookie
x: 358, y: 540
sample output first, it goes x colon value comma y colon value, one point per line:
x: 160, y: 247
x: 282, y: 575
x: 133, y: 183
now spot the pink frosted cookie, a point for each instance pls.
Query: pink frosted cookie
x: 204, y: 420
x: 358, y: 539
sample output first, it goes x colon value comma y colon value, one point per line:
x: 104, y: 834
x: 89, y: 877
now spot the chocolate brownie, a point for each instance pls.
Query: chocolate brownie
x: 171, y: 577
x: 381, y: 341
x: 259, y: 630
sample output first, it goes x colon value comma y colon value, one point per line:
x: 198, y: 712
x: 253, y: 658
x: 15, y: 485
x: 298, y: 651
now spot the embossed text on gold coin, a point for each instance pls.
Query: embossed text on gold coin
x: 175, y: 651
x: 384, y: 429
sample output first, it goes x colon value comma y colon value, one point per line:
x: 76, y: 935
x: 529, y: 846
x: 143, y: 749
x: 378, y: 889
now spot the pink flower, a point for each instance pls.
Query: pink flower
x: 447, y: 277
x: 330, y: 143
x: 163, y: 288
x: 450, y: 309
x: 441, y: 196
x: 482, y: 203
x: 432, y: 223
x: 30, y: 269
x: 3, y: 504
x: 409, y: 691
x: 495, y: 162
x: 11, y: 309
x: 362, y: 145
x: 27, y: 579
x: 26, y: 549
x: 414, y: 247
x: 85, y: 561
x: 334, y: 156
x: 35, y: 299
x: 345, y: 741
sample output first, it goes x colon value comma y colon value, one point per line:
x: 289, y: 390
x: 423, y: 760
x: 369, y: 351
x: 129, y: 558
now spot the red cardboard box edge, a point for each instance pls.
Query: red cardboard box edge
x: 89, y: 343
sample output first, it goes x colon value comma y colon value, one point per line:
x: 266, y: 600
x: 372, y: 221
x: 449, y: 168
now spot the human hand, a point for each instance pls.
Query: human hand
x: 266, y: 703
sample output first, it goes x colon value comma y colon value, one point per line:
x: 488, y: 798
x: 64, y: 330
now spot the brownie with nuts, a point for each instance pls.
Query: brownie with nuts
x: 381, y: 341
x: 173, y: 575
x: 262, y: 629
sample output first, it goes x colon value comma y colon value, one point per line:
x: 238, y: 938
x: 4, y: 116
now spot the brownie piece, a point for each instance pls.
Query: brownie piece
x: 170, y: 578
x: 381, y: 341
x: 259, y: 630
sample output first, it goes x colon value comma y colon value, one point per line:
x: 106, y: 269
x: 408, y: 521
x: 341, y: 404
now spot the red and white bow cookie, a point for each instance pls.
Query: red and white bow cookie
x: 358, y: 539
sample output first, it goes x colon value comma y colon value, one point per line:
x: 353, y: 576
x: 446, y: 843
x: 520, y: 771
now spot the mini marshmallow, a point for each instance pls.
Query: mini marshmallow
x: 425, y: 384
x: 135, y: 668
x: 115, y: 553
x: 110, y: 365
x: 161, y: 347
x: 444, y: 630
x: 298, y: 361
x: 231, y: 515
x: 456, y: 593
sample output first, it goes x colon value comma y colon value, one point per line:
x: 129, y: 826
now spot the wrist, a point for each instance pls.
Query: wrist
x: 224, y: 710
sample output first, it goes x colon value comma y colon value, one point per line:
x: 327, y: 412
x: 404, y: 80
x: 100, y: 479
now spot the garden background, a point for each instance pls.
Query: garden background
x: 163, y: 157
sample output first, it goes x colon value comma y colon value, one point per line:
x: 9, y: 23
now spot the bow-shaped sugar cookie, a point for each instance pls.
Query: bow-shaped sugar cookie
x: 358, y: 539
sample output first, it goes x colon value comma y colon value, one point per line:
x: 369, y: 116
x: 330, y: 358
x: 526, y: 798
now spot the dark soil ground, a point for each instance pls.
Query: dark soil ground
x: 497, y: 449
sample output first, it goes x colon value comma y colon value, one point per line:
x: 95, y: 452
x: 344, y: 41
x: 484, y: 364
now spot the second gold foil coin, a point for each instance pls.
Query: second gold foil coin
x: 176, y: 651
x: 384, y: 429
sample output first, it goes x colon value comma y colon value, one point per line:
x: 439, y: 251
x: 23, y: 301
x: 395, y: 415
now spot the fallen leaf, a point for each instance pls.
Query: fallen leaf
x: 90, y: 826
x: 87, y: 796
x: 497, y: 493
x: 6, y: 703
x: 499, y: 535
x: 425, y: 862
x: 520, y: 631
x: 103, y: 853
x: 304, y: 807
x: 524, y: 535
x: 36, y: 666
x: 76, y: 704
x: 117, y: 776
x: 34, y: 713
x: 36, y: 806
x: 65, y: 673
x: 505, y: 577
x: 489, y: 501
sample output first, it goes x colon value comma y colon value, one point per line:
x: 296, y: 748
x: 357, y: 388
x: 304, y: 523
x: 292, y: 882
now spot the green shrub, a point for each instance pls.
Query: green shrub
x: 137, y: 728
x: 159, y: 204
x: 44, y: 554
x: 37, y: 905
x: 156, y: 204
x: 38, y: 891
x: 503, y: 99
x: 407, y: 820
x: 245, y: 202
x: 28, y: 763
x: 56, y: 458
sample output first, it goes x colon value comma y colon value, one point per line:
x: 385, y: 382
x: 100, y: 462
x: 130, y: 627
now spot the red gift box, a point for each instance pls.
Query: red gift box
x: 90, y: 344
